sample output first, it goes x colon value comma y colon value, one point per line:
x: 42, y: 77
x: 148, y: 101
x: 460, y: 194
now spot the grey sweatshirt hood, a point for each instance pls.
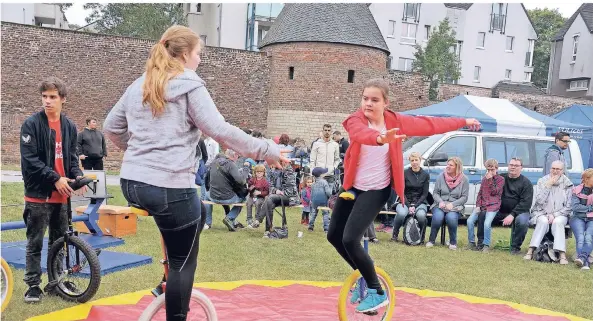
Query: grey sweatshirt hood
x: 161, y: 150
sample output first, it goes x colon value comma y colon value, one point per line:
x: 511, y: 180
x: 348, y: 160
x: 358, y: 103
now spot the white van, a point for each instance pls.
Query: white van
x: 476, y: 147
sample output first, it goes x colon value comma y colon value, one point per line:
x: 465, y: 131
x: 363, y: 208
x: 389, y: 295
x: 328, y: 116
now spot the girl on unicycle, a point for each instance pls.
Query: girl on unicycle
x: 373, y: 165
x: 158, y: 122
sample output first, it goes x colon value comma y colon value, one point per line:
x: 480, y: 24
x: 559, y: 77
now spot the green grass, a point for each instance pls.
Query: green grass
x: 245, y: 255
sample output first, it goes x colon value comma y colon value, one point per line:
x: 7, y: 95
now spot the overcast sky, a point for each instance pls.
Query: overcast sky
x: 76, y: 13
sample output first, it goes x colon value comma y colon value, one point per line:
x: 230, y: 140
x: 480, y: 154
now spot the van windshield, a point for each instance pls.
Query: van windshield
x: 418, y: 144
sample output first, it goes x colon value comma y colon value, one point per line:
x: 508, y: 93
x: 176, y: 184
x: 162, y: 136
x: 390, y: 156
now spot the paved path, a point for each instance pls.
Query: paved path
x: 16, y: 177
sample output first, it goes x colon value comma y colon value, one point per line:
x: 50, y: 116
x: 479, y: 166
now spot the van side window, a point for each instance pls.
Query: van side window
x: 504, y: 150
x: 540, y: 152
x: 463, y: 147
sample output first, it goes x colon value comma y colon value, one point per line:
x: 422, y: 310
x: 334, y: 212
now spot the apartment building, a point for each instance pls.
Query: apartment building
x: 39, y: 14
x: 494, y: 41
x: 571, y: 57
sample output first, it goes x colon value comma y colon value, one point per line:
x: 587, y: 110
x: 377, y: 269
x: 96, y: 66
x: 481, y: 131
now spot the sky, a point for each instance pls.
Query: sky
x: 76, y: 13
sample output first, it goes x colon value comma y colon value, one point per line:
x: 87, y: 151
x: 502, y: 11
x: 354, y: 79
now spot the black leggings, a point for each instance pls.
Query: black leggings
x: 349, y: 221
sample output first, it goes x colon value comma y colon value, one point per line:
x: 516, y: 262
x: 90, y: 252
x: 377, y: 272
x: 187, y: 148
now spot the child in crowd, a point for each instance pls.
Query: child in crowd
x: 320, y: 193
x: 306, y: 199
x: 258, y: 187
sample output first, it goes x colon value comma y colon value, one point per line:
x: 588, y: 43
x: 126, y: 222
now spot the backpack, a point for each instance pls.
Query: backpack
x: 545, y: 252
x: 412, y: 231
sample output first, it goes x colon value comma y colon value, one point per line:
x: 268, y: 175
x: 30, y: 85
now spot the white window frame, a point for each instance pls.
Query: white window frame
x: 527, y: 76
x: 408, y: 64
x: 479, y: 70
x: 579, y: 85
x: 483, y: 40
x: 508, y: 73
x: 507, y: 43
x: 530, y: 48
x: 575, y: 47
x: 406, y: 39
x: 427, y: 29
x: 198, y: 8
x: 414, y: 7
x: 391, y: 27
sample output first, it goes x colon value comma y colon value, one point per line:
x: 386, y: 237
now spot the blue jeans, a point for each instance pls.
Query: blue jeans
x: 438, y: 216
x: 403, y: 211
x: 235, y: 211
x: 471, y: 221
x: 313, y: 216
x: 583, y: 234
x: 518, y: 231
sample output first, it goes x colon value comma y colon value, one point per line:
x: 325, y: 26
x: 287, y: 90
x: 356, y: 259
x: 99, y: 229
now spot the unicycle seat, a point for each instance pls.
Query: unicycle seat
x: 138, y: 211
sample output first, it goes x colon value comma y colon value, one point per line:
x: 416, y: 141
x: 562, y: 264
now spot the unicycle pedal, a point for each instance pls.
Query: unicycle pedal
x: 371, y: 313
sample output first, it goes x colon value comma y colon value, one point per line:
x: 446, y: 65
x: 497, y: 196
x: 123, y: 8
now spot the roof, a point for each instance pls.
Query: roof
x: 586, y: 11
x: 463, y: 6
x: 346, y: 23
x: 517, y: 87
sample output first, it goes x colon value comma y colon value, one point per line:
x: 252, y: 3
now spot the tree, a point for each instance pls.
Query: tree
x: 438, y: 62
x: 142, y: 20
x: 546, y: 23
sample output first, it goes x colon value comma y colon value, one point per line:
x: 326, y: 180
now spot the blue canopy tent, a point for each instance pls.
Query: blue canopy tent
x: 504, y: 116
x: 582, y: 115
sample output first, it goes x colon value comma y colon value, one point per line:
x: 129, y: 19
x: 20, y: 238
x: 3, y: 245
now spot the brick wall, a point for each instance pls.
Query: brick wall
x: 407, y: 91
x: 98, y: 69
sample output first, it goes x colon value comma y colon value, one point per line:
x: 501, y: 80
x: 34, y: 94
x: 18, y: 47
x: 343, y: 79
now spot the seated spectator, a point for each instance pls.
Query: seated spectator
x: 450, y: 193
x: 306, y: 200
x: 258, y: 188
x: 581, y: 221
x: 226, y: 186
x: 487, y: 204
x: 282, y: 192
x: 417, y: 182
x: 516, y: 200
x: 552, y: 208
x: 320, y: 193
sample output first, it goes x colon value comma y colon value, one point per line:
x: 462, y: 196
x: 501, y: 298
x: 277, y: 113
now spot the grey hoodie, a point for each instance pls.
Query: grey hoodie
x: 555, y: 199
x: 160, y: 150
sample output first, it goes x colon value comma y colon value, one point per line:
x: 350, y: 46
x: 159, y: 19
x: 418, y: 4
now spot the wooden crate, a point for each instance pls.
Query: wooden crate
x: 116, y: 221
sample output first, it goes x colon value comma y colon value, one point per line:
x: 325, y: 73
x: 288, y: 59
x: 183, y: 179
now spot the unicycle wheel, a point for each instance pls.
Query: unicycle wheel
x: 6, y: 284
x: 347, y: 310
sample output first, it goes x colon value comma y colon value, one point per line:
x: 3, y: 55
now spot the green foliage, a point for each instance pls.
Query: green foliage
x: 141, y: 20
x: 546, y: 23
x: 437, y: 62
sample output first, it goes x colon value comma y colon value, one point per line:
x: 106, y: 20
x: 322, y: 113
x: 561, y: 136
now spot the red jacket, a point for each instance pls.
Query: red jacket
x: 359, y: 132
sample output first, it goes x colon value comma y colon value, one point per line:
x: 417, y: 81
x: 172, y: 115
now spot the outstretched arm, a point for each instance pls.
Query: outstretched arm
x: 428, y: 126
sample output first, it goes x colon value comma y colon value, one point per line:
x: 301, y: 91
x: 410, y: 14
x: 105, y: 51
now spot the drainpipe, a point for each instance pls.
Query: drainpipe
x: 219, y: 23
x: 24, y: 17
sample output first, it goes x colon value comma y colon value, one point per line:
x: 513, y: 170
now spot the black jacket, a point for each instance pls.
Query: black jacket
x: 416, y: 190
x: 37, y: 144
x: 517, y: 195
x: 224, y: 181
x: 91, y: 143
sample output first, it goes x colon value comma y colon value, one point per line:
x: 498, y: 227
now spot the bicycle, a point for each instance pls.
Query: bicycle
x: 156, y: 309
x: 70, y: 255
x: 347, y: 309
x: 7, y: 285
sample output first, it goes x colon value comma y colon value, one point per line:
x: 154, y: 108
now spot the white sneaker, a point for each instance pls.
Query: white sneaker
x: 206, y: 226
x: 429, y: 244
x: 585, y: 267
x: 453, y: 247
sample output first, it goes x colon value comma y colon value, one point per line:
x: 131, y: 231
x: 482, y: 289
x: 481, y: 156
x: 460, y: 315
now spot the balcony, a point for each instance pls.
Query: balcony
x: 497, y: 22
x: 46, y: 13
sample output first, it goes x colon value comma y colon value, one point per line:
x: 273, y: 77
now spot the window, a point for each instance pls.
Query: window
x: 390, y: 62
x: 540, y: 152
x: 391, y: 29
x: 411, y: 11
x: 481, y: 40
x: 463, y: 147
x: 507, y: 74
x: 426, y: 32
x: 458, y: 48
x: 291, y: 73
x: 504, y: 150
x: 575, y: 45
x: 579, y: 85
x: 510, y: 41
x: 529, y: 54
x: 199, y: 8
x: 498, y: 17
x: 409, y: 32
x: 405, y: 64
x: 527, y: 77
x: 204, y: 39
x: 351, y: 76
x: 477, y: 70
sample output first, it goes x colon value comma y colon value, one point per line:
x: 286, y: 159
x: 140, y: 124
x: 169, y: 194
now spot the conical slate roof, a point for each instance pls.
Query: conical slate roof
x: 347, y: 23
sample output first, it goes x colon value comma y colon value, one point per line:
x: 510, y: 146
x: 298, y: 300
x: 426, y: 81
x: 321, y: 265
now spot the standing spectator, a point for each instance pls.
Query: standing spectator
x: 516, y: 200
x: 320, y: 193
x: 91, y: 146
x: 325, y: 153
x: 213, y: 149
x: 306, y: 200
x: 487, y: 205
x: 343, y: 142
x: 286, y: 149
x: 450, y: 193
x: 551, y: 209
x: 581, y: 222
x: 259, y: 189
x: 556, y: 151
x: 48, y: 163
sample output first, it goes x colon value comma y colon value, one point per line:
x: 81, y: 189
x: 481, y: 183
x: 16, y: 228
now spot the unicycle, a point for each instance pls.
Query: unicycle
x: 73, y: 268
x: 200, y: 306
x: 355, y: 282
x: 7, y: 285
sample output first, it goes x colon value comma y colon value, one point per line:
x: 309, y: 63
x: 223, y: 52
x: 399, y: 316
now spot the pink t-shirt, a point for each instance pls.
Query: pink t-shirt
x: 374, y: 167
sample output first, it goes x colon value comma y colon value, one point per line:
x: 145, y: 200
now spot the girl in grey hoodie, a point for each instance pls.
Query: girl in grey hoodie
x: 158, y: 122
